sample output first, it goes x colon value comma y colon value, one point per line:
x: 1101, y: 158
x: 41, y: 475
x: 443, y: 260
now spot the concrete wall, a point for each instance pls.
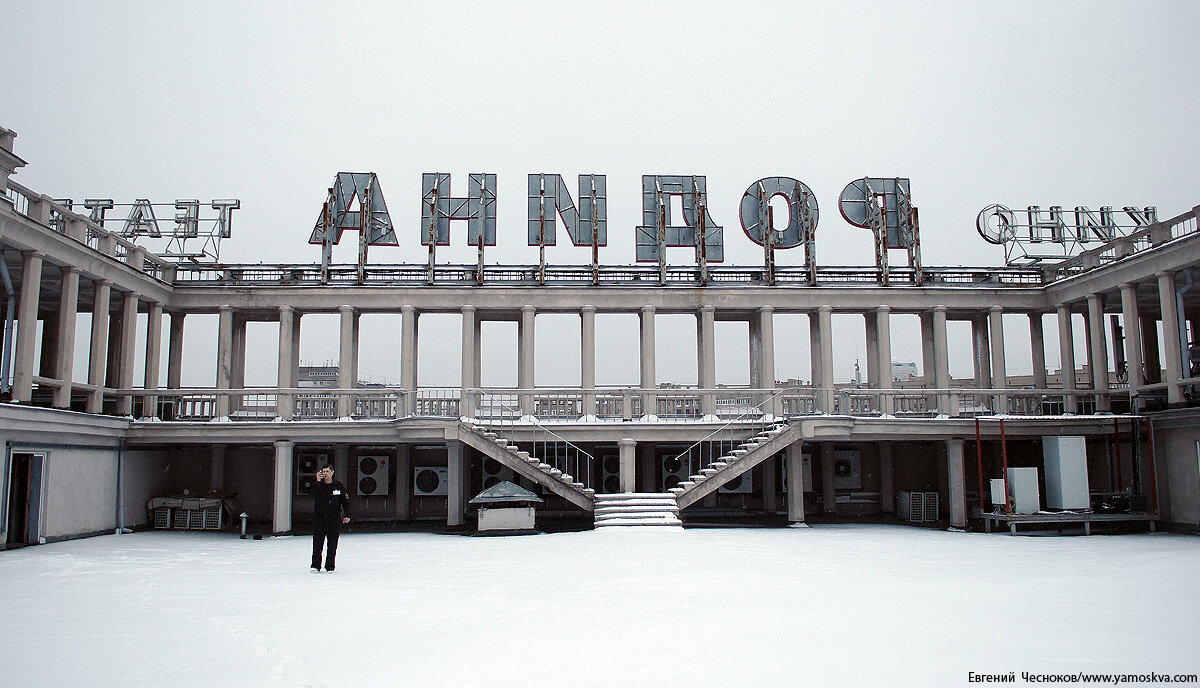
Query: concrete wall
x: 81, y: 492
x: 150, y: 473
x: 1178, y: 467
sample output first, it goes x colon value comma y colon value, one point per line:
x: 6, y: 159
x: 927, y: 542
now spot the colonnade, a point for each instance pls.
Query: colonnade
x: 113, y: 339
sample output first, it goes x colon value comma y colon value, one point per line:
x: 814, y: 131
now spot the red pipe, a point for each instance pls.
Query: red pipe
x: 1117, y: 449
x: 1004, y: 458
x: 983, y: 509
x: 1153, y: 482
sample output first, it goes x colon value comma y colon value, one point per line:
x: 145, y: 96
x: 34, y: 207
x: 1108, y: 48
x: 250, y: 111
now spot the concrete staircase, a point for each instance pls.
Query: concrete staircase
x: 637, y: 509
x: 562, y: 484
x: 747, y: 455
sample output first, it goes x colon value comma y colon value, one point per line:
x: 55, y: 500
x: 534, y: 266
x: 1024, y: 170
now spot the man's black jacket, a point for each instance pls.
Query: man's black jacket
x: 330, y: 498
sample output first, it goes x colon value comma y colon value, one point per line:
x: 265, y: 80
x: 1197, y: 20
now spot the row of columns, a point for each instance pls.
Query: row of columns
x: 112, y: 351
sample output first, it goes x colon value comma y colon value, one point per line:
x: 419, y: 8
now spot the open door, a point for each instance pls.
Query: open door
x: 23, y: 499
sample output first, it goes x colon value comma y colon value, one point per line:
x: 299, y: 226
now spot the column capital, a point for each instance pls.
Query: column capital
x: 955, y: 441
x: 766, y: 309
x: 1163, y: 275
x: 68, y: 269
x: 647, y: 310
x: 286, y: 308
x: 707, y: 308
x: 627, y: 442
x: 825, y: 309
x: 940, y: 308
x: 1129, y: 285
x: 528, y: 309
x: 32, y: 254
x: 588, y: 309
x: 467, y: 310
x: 1063, y: 307
x: 283, y: 444
x: 225, y: 309
x: 883, y: 309
x: 345, y: 309
x: 407, y: 309
x: 102, y: 282
x: 996, y: 309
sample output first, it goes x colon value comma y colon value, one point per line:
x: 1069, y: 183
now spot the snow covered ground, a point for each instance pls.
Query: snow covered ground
x: 828, y: 605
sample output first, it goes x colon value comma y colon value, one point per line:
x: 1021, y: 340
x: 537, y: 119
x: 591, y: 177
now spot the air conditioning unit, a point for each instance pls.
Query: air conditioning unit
x: 429, y: 481
x: 847, y: 470
x: 373, y: 479
x: 674, y: 471
x: 306, y: 466
x: 910, y: 506
x: 610, y: 474
x: 806, y: 465
x: 931, y: 507
x: 495, y: 473
x: 743, y: 484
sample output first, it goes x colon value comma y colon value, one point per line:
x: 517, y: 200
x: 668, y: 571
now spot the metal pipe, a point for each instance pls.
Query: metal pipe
x: 1116, y: 441
x: 1153, y: 480
x: 121, y: 529
x: 979, y: 467
x: 1004, y: 459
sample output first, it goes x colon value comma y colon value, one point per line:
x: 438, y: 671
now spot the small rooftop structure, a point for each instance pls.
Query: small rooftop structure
x: 506, y: 508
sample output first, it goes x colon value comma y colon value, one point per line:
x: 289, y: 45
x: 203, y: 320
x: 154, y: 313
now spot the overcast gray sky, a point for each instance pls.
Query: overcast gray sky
x: 1017, y: 102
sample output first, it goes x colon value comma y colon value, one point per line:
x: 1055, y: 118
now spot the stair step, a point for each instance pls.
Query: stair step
x: 567, y: 478
x: 638, y: 506
x: 657, y: 522
x: 554, y: 472
x: 588, y: 491
x: 739, y: 452
x: 717, y: 465
x: 578, y: 486
x: 543, y: 466
x: 636, y: 495
x: 610, y: 515
x: 676, y: 490
x: 697, y: 479
x: 686, y: 484
x: 707, y: 472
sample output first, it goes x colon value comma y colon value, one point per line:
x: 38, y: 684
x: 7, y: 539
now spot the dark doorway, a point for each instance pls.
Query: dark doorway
x: 24, y: 499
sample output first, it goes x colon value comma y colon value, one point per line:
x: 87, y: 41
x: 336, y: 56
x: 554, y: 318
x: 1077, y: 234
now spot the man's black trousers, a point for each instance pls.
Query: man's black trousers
x: 325, y: 527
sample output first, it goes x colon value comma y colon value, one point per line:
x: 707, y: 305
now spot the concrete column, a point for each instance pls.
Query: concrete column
x: 99, y: 348
x: 646, y: 353
x: 27, y: 319
x: 175, y: 351
x: 1037, y: 345
x: 769, y: 489
x: 224, y: 358
x: 403, y: 482
x: 1133, y: 337
x: 354, y: 340
x: 947, y: 404
x: 828, y: 493
x: 996, y: 332
x: 48, y: 366
x: 825, y: 327
x: 1171, y: 343
x: 237, y: 367
x: 468, y: 362
x: 928, y: 367
x: 408, y: 356
x: 1066, y: 353
x: 153, y: 356
x: 883, y: 338
x: 526, y: 373
x: 128, y: 344
x: 814, y: 352
x: 285, y: 405
x: 455, y: 475
x: 1153, y: 363
x: 628, y: 464
x: 216, y: 472
x: 887, y: 490
x: 294, y: 370
x: 68, y: 307
x: 1099, y: 351
x: 871, y: 330
x: 795, y: 477
x: 345, y: 402
x: 281, y: 510
x: 766, y: 338
x: 956, y: 473
x: 982, y: 354
x: 587, y: 357
x: 706, y: 358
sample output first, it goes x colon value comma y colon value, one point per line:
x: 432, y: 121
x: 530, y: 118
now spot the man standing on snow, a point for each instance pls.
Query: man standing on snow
x: 329, y: 505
